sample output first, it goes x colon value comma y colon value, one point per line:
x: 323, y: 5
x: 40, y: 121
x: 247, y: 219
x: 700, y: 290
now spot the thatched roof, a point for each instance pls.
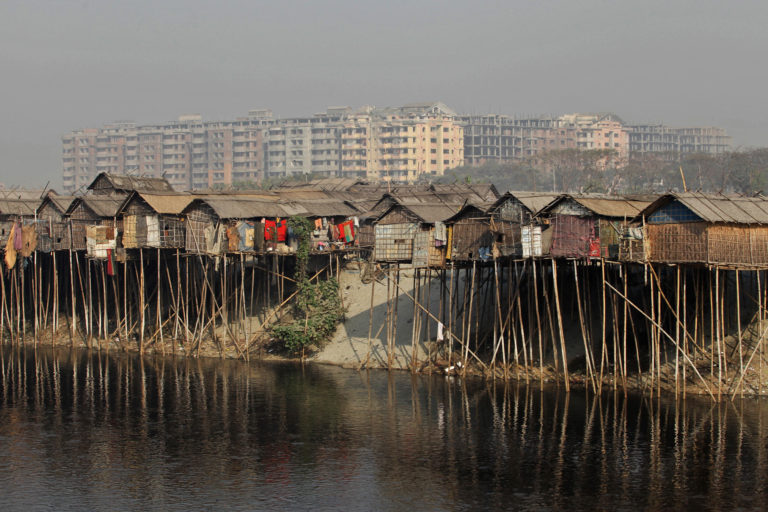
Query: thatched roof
x: 164, y: 204
x: 102, y: 206
x: 427, y: 213
x: 716, y: 208
x: 602, y: 205
x: 534, y: 201
x: 24, y: 207
x: 125, y: 183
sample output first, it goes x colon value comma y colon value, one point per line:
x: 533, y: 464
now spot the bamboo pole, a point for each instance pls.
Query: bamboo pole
x: 669, y: 336
x: 560, y: 325
x: 587, y: 352
x: 462, y: 343
x: 538, y: 322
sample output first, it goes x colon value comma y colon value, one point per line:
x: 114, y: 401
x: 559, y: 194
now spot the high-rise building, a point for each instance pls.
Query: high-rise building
x: 189, y: 153
x: 396, y: 144
x: 676, y: 142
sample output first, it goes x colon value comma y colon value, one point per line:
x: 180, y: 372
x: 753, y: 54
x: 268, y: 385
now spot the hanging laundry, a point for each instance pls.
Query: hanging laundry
x: 282, y: 230
x: 270, y: 230
x: 28, y: 241
x: 346, y: 231
x: 10, y: 252
x: 245, y: 231
x: 110, y: 265
x: 318, y: 223
x: 440, y: 232
x: 17, y: 240
x: 356, y: 221
x: 440, y: 328
x: 233, y: 239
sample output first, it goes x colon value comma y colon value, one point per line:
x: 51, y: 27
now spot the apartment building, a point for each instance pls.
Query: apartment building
x: 392, y: 144
x: 190, y: 153
x: 398, y: 144
x: 676, y: 142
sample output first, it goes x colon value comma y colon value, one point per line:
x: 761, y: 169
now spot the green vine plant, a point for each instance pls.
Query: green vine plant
x: 318, y: 308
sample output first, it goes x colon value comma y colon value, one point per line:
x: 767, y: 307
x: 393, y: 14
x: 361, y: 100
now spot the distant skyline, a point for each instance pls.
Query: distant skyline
x: 75, y: 64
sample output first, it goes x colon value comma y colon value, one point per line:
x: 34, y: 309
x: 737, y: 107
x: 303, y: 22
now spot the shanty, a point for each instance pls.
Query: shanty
x: 132, y: 263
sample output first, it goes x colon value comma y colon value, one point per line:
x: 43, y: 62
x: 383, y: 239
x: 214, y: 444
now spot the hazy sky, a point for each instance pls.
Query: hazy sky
x: 69, y: 64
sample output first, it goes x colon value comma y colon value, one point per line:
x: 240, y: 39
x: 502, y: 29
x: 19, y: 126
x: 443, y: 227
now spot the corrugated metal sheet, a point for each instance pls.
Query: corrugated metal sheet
x: 237, y: 208
x: 717, y: 208
x: 328, y: 209
x: 612, y: 207
x: 432, y: 213
x: 600, y: 204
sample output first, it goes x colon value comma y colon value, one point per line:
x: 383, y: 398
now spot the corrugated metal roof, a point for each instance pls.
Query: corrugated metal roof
x: 612, y: 207
x: 432, y: 213
x: 718, y: 208
x: 18, y: 206
x: 238, y: 208
x: 602, y: 205
x: 327, y: 209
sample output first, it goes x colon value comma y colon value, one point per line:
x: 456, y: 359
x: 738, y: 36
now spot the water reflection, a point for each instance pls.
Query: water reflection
x: 89, y: 430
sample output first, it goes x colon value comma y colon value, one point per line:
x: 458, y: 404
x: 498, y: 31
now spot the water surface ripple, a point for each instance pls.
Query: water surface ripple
x: 83, y: 431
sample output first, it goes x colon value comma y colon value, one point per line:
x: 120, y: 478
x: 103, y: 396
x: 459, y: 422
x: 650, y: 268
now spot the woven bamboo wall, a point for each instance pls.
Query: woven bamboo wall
x: 676, y: 243
x: 394, y: 242
x: 197, y: 220
x: 80, y: 218
x: 53, y: 230
x: 738, y: 245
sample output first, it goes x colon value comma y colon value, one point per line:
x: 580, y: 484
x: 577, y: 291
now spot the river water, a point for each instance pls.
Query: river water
x: 83, y: 431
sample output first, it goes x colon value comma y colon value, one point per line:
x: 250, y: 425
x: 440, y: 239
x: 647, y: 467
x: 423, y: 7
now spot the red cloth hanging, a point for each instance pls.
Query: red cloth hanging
x: 270, y: 227
x: 279, y: 228
x: 110, y: 267
x: 282, y: 230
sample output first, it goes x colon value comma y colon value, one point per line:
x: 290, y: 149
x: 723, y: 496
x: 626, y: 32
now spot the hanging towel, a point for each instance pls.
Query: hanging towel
x: 440, y: 232
x: 357, y: 222
x: 110, y: 267
x: 440, y: 331
x: 282, y: 230
x: 18, y: 242
x: 318, y: 223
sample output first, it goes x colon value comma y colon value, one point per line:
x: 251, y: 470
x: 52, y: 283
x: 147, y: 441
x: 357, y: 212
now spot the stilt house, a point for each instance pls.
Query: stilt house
x: 154, y: 220
x: 707, y: 228
x: 587, y: 226
x: 94, y: 223
x: 413, y: 233
x: 53, y: 226
x: 208, y: 218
